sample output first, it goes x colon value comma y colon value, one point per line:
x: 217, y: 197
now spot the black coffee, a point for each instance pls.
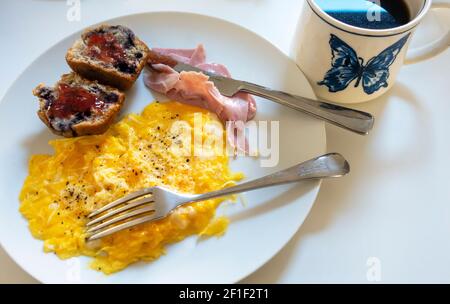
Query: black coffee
x: 374, y: 14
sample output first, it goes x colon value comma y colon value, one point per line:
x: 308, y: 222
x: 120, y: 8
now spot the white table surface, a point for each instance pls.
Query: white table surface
x: 389, y: 220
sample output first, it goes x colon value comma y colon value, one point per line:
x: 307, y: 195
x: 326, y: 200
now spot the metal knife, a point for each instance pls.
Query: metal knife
x: 350, y: 119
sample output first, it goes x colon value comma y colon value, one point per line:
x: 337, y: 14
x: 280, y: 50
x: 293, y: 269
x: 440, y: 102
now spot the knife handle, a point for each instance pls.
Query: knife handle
x: 350, y: 119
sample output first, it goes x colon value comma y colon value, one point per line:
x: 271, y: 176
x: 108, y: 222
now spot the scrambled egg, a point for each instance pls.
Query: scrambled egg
x: 88, y: 172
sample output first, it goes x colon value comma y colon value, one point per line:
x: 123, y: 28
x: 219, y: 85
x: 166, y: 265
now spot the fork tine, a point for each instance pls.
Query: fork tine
x: 121, y: 200
x: 121, y: 218
x: 126, y: 207
x: 125, y: 225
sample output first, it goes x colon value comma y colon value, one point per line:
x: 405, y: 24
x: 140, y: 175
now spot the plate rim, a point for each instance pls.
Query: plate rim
x: 316, y: 189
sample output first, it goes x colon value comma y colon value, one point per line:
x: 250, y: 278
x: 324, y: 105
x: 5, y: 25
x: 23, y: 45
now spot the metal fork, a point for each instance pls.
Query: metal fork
x: 154, y: 203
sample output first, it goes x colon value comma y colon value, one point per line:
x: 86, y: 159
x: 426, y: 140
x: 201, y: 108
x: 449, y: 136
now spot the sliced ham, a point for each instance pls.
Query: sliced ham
x: 195, y: 88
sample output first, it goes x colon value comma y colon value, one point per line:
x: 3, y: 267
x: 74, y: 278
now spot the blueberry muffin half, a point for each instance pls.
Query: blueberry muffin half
x: 76, y: 106
x: 113, y: 55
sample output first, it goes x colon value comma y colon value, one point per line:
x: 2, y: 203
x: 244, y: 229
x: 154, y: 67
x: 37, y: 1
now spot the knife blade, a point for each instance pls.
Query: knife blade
x: 226, y: 86
x: 353, y: 120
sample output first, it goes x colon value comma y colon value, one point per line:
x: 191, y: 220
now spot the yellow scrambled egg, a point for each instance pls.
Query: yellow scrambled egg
x: 88, y: 172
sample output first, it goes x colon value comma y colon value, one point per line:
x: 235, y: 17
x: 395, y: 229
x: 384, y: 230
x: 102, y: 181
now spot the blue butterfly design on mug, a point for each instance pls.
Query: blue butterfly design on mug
x: 346, y: 66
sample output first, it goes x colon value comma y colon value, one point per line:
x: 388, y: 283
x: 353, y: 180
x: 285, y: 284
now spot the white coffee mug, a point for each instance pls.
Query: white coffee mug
x: 348, y: 64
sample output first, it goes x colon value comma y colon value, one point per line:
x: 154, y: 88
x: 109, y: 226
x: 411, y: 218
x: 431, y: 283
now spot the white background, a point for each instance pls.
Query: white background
x: 394, y: 208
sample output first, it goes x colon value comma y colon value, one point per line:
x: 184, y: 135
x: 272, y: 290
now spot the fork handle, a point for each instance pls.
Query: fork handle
x: 350, y: 119
x: 328, y: 165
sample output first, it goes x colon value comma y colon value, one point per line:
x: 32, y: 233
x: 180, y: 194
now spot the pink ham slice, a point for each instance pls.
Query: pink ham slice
x: 195, y: 88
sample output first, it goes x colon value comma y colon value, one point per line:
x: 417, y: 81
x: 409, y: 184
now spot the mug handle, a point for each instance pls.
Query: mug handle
x: 434, y: 48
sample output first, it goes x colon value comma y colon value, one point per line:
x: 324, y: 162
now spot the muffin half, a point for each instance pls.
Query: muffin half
x: 76, y: 106
x: 113, y: 55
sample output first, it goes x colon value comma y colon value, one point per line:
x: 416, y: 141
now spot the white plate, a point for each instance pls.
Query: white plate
x: 258, y: 230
